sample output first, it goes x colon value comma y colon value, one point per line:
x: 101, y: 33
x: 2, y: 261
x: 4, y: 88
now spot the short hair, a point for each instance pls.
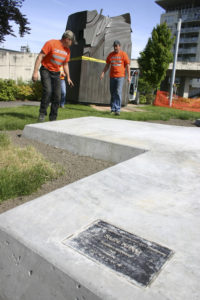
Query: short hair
x: 116, y: 43
x: 70, y: 35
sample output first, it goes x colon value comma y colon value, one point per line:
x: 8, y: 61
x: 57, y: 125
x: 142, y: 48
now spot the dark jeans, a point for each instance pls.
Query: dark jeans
x: 51, y: 92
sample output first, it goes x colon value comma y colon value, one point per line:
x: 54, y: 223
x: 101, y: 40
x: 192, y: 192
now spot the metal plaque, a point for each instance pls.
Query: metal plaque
x: 130, y: 255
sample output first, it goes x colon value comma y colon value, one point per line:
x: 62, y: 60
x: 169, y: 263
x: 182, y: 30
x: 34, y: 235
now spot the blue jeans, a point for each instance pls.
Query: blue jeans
x: 50, y: 92
x: 116, y: 84
x: 63, y: 92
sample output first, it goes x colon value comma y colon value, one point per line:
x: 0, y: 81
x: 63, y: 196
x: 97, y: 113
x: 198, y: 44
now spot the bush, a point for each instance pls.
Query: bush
x: 150, y: 98
x: 144, y: 87
x: 146, y: 92
x: 24, y: 92
x: 8, y: 90
x: 143, y: 99
x: 36, y: 90
x: 147, y: 99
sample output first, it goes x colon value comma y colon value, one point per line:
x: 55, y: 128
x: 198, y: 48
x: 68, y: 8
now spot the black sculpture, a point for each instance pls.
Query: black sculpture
x: 95, y: 34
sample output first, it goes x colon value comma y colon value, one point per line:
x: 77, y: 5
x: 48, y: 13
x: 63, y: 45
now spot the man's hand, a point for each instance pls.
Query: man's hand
x: 39, y: 58
x: 102, y: 76
x: 35, y: 76
x: 70, y: 82
x: 129, y: 80
x: 107, y: 66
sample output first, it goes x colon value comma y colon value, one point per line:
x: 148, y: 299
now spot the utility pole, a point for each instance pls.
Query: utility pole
x: 175, y: 60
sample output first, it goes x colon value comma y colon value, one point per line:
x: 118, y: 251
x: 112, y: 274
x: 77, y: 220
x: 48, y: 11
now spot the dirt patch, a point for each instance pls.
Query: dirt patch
x: 130, y: 107
x: 75, y: 166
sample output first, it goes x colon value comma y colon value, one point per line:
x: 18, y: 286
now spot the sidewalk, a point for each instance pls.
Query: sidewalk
x: 128, y: 108
x: 18, y: 103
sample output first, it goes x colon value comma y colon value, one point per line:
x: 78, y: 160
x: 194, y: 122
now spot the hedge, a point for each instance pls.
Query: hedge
x: 11, y: 90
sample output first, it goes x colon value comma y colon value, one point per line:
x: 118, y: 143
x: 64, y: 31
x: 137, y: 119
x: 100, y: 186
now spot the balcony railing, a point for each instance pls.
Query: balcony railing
x: 190, y: 18
x: 187, y: 51
x: 187, y: 59
x: 190, y: 29
x: 189, y: 40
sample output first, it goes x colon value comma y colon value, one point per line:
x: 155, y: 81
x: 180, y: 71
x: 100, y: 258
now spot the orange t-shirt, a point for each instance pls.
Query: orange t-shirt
x: 56, y: 55
x: 118, y: 62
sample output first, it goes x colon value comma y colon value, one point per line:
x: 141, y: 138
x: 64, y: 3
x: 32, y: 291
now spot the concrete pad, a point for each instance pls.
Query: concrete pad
x: 153, y: 192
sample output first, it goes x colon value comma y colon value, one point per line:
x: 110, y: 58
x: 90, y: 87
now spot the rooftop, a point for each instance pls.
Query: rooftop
x: 9, y: 50
x: 170, y: 4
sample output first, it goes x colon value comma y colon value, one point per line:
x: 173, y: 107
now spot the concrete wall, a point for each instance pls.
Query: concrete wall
x: 16, y: 65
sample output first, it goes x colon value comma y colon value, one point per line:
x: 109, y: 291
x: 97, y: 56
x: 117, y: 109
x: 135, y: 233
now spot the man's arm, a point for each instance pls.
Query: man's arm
x: 128, y: 73
x: 104, y: 71
x: 66, y: 70
x: 38, y: 61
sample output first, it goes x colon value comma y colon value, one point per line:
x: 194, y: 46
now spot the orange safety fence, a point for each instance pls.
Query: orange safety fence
x: 162, y: 99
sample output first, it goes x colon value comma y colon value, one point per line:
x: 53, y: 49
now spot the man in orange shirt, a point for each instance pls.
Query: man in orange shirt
x: 53, y: 54
x: 119, y: 63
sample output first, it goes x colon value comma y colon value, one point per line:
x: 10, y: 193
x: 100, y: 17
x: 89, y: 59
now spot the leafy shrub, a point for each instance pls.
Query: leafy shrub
x: 24, y: 92
x: 144, y: 87
x: 36, y: 90
x: 143, y: 99
x: 8, y: 90
x: 20, y: 81
x: 150, y: 98
x: 146, y: 92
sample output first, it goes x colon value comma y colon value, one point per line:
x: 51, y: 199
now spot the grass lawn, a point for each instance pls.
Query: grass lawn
x: 22, y: 170
x: 14, y: 118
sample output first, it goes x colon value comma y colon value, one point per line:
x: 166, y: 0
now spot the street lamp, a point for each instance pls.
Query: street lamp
x: 174, y: 63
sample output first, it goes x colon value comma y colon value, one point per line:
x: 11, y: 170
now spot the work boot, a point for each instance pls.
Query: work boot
x: 52, y: 118
x: 197, y: 122
x: 41, y: 118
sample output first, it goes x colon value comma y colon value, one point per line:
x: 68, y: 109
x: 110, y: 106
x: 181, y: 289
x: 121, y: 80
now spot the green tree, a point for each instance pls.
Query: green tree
x: 156, y: 57
x: 9, y: 11
x: 143, y: 86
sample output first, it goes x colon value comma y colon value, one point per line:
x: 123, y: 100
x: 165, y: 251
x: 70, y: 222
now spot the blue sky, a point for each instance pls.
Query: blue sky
x: 48, y: 20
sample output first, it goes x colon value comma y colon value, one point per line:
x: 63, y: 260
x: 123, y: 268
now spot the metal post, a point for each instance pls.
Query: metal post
x: 174, y: 63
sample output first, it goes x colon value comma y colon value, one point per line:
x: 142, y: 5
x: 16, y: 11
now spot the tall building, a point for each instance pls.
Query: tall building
x: 189, y: 45
x: 189, y: 12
